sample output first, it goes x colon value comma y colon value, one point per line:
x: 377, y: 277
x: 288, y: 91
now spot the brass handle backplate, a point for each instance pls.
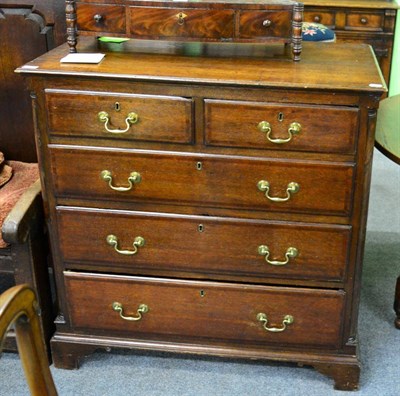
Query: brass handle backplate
x: 103, y: 117
x: 138, y: 242
x: 292, y: 188
x: 181, y: 18
x: 143, y: 308
x: 134, y: 178
x: 287, y: 320
x: 265, y: 127
x: 291, y: 252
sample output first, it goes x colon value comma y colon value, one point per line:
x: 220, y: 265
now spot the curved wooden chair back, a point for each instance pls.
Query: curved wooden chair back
x: 18, y: 306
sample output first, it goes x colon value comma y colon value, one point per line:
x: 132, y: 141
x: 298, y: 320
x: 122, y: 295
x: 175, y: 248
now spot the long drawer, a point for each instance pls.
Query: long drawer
x: 196, y: 245
x: 203, y: 180
x: 159, y: 22
x: 120, y: 116
x: 280, y: 127
x: 190, y: 310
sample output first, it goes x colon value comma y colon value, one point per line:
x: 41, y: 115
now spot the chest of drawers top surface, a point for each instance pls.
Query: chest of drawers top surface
x: 338, y: 67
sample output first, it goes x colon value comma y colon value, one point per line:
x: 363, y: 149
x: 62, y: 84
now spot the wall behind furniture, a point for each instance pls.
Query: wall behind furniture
x: 394, y: 88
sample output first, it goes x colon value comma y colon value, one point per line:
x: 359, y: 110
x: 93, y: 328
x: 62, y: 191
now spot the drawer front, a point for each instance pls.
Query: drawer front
x: 273, y: 126
x: 327, y: 18
x: 202, y: 245
x: 265, y: 24
x: 101, y: 18
x: 200, y: 180
x: 365, y: 21
x: 158, y: 118
x: 147, y: 22
x: 205, y: 310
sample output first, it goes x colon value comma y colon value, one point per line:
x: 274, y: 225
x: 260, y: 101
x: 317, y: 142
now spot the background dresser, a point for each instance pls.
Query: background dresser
x: 208, y: 204
x: 28, y: 28
x: 359, y: 21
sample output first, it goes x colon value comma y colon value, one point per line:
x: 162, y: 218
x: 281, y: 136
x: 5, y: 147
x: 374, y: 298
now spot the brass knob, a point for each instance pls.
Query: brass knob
x: 267, y: 23
x: 181, y: 18
x: 98, y: 18
x: 317, y: 18
x: 364, y: 20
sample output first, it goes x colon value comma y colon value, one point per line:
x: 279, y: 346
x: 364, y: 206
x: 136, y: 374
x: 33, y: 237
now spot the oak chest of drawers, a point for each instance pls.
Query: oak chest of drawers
x: 208, y: 204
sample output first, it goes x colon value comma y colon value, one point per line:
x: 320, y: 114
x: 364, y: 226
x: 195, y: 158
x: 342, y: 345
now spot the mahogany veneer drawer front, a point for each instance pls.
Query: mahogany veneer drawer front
x: 357, y: 20
x: 203, y: 180
x: 225, y: 246
x: 101, y: 18
x: 120, y: 116
x: 325, y: 17
x: 217, y: 311
x: 228, y: 219
x: 277, y: 126
x: 264, y: 24
x: 365, y: 20
x: 181, y: 23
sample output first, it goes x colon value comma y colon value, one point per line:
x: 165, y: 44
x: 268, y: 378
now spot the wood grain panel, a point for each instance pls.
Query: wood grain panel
x: 223, y: 181
x: 324, y: 16
x: 365, y: 21
x: 24, y: 36
x: 196, y: 244
x: 205, y: 310
x: 160, y: 118
x: 160, y: 23
x: 265, y: 24
x: 112, y: 18
x: 323, y: 128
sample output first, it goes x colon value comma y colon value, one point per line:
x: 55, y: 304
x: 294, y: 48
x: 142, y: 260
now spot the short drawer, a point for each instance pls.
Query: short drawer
x: 265, y: 24
x: 101, y: 18
x: 120, y: 116
x: 209, y: 311
x: 365, y: 20
x: 327, y: 18
x: 203, y: 180
x: 281, y: 127
x: 149, y: 22
x: 199, y: 246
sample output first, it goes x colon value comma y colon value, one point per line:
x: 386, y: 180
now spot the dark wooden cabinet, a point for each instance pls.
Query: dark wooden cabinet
x: 359, y: 21
x: 28, y: 28
x: 226, y: 216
